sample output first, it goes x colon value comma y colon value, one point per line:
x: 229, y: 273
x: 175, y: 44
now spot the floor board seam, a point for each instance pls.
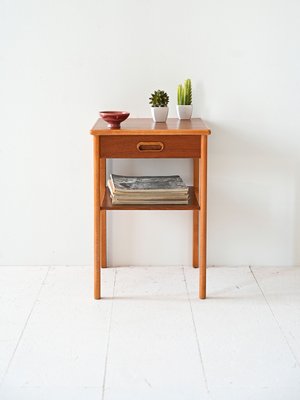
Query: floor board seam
x: 274, y: 316
x: 196, y: 333
x: 108, y: 338
x: 24, y: 326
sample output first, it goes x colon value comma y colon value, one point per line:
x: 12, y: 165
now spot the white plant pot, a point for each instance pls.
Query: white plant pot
x: 159, y: 114
x: 184, y: 111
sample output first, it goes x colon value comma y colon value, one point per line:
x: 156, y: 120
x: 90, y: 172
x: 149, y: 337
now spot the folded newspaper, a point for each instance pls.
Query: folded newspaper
x: 123, y: 183
x: 147, y: 189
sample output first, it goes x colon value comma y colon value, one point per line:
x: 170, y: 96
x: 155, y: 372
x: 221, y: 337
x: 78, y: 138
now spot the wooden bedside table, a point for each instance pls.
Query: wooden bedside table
x: 143, y: 138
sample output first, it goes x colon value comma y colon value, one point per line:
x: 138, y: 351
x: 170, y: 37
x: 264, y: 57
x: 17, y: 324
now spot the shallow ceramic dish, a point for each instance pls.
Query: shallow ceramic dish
x: 114, y: 118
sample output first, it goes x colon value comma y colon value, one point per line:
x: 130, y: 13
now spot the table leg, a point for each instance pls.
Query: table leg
x: 203, y: 197
x: 196, y: 216
x: 97, y: 277
x: 102, y: 214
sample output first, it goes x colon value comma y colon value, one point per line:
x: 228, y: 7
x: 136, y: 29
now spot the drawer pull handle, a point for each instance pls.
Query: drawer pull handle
x: 150, y: 146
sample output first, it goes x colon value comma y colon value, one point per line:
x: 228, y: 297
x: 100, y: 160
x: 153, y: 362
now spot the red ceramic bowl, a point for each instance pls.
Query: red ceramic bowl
x: 114, y: 118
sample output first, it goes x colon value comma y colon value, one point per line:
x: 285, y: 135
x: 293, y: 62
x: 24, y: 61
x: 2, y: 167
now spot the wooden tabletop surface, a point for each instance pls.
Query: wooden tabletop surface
x: 144, y: 126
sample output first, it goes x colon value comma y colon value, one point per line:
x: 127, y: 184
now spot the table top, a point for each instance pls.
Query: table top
x: 144, y: 126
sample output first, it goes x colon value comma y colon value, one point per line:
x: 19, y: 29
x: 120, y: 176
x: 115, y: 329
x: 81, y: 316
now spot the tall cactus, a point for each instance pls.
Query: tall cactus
x: 180, y: 95
x: 188, y: 91
x: 184, y: 93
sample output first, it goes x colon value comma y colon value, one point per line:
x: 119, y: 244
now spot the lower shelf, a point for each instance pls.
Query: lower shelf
x: 192, y: 204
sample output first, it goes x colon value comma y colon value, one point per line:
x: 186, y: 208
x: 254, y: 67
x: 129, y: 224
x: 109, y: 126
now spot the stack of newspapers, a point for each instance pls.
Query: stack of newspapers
x: 147, y: 189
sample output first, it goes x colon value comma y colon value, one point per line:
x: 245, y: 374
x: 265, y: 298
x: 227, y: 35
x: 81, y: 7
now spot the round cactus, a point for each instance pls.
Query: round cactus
x: 159, y: 99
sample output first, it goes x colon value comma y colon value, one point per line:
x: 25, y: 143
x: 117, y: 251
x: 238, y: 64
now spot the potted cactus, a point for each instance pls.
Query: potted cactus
x: 184, y: 100
x: 159, y: 101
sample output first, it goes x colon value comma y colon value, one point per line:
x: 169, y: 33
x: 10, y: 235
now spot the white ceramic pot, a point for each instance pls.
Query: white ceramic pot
x: 184, y: 111
x: 159, y: 114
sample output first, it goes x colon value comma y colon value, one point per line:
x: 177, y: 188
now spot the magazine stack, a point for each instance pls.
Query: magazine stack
x: 147, y: 189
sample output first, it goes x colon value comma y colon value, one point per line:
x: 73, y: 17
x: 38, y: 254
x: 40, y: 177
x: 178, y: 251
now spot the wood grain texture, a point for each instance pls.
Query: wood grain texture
x: 173, y: 139
x: 196, y: 166
x: 97, y: 272
x: 196, y: 215
x: 127, y: 146
x: 102, y: 212
x: 203, y: 212
x: 142, y: 126
x: 195, y: 238
x: 192, y: 205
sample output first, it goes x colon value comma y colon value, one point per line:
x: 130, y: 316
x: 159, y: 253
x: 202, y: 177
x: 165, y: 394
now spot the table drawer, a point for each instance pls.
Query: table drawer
x: 150, y: 146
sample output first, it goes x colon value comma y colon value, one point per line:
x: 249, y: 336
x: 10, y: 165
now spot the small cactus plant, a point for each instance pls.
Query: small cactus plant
x: 184, y: 93
x: 159, y: 99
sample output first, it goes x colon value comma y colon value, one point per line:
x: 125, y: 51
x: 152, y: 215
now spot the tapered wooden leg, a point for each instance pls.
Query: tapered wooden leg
x: 195, y: 238
x: 196, y: 216
x: 203, y: 207
x: 102, y: 214
x: 97, y: 277
x: 103, y: 238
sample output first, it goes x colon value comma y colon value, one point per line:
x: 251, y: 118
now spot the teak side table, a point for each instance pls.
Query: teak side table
x: 142, y: 138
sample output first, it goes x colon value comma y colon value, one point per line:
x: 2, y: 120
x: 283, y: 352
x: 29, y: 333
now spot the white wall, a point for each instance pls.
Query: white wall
x: 63, y: 61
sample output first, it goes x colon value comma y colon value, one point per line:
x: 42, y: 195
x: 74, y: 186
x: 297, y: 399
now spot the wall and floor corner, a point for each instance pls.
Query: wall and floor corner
x: 61, y: 62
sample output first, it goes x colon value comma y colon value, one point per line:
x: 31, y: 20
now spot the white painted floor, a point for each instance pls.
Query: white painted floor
x: 150, y: 337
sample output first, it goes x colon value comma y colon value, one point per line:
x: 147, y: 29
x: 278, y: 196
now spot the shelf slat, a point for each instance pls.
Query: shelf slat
x: 192, y: 204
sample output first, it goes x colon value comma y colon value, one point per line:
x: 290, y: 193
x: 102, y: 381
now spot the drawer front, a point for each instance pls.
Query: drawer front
x: 150, y: 146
